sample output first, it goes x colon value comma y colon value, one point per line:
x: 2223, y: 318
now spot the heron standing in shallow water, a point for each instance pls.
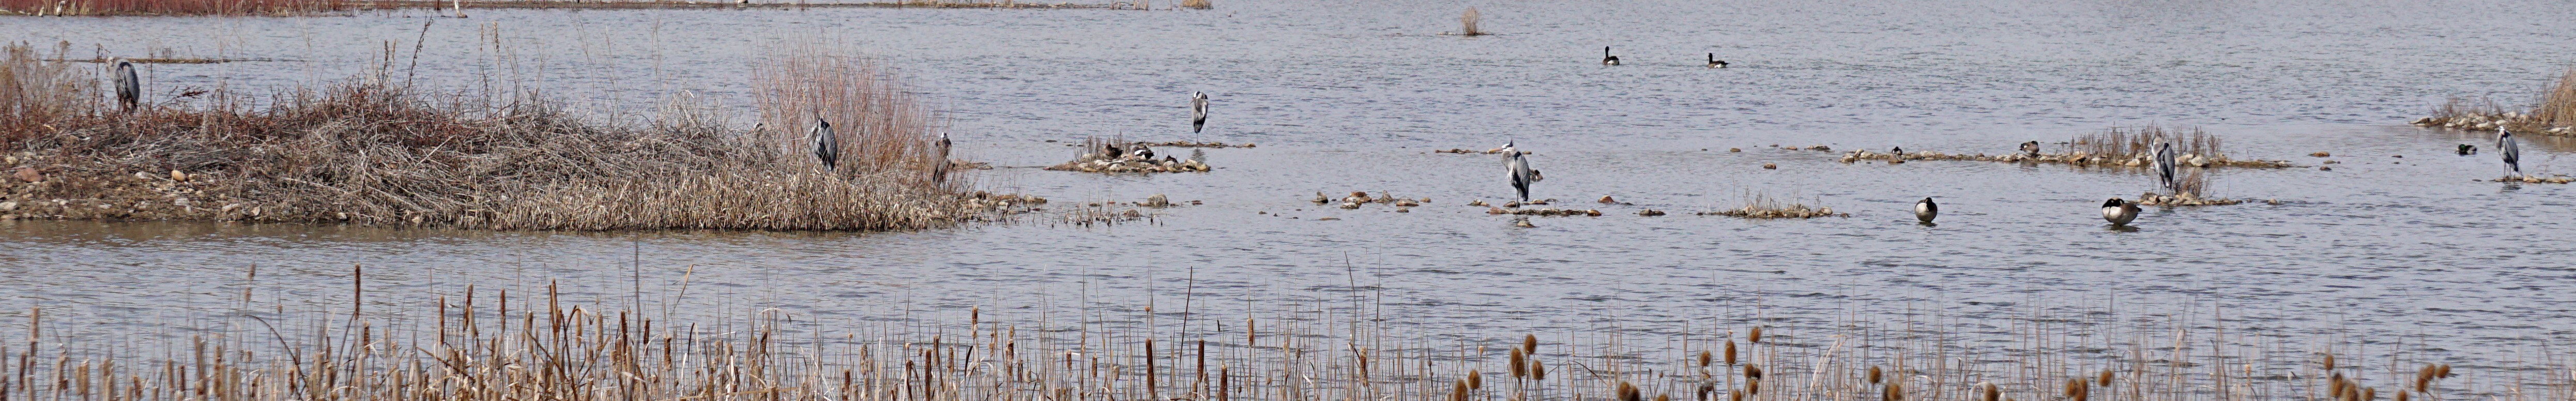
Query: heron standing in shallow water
x: 129, y: 87
x: 827, y: 146
x: 2511, y: 151
x: 1198, y: 111
x: 1926, y: 210
x: 2164, y: 159
x: 1520, y: 170
x: 2119, y: 212
x: 939, y: 168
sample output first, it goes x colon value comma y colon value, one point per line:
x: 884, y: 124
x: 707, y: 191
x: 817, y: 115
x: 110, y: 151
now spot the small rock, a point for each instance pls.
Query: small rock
x: 1769, y: 166
x: 1479, y: 202
x: 2398, y: 156
x: 1650, y: 212
x: 1320, y: 199
x: 2324, y: 168
x: 2321, y: 154
x: 1401, y: 209
x: 28, y: 174
x: 1406, y: 203
x: 1158, y: 200
x: 1895, y: 161
x: 1735, y: 150
x: 1523, y: 223
x: 1350, y: 205
x: 2333, y: 162
x: 1606, y: 199
x: 1329, y: 219
x: 1131, y: 213
x: 1495, y: 210
x: 1592, y: 212
x: 8, y: 206
x: 176, y: 175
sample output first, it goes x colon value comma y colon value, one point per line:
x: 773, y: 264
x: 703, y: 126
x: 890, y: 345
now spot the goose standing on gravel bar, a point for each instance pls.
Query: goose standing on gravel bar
x: 1713, y: 62
x: 1926, y: 210
x: 2030, y: 148
x: 826, y: 145
x: 1606, y: 58
x: 2119, y: 212
x: 2511, y: 151
x: 129, y: 87
x: 1198, y: 111
x: 1520, y: 170
x: 1141, y: 152
x: 2165, y: 168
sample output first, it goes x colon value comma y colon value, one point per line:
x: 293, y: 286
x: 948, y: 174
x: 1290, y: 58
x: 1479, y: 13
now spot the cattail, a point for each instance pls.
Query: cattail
x: 2368, y: 394
x: 1476, y: 380
x: 1757, y: 335
x: 1893, y: 392
x: 1529, y: 344
x: 2423, y: 379
x: 1538, y: 371
x: 1737, y: 395
x: 1460, y: 392
x: 1730, y: 352
x: 1873, y: 375
x: 2443, y: 372
x: 2330, y: 362
x: 2334, y: 387
x: 1626, y: 392
x: 1520, y: 364
x: 1752, y: 372
x: 2075, y: 389
x: 1753, y: 387
x: 2401, y: 396
x: 1991, y: 392
x: 1705, y: 389
x: 1663, y: 397
x: 2105, y: 380
x: 1703, y: 358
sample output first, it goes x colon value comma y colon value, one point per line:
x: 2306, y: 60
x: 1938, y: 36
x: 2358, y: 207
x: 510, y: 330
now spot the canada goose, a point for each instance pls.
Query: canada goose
x: 129, y: 87
x: 2511, y: 151
x: 1713, y: 62
x: 1925, y: 210
x: 2467, y: 149
x: 1606, y: 58
x: 1141, y: 152
x: 826, y: 145
x: 2119, y: 212
x: 1520, y: 171
x: 1198, y: 111
x: 2031, y: 148
x: 1899, y: 151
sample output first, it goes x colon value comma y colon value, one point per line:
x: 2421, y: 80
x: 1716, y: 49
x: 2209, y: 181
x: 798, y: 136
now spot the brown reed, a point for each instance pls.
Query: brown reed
x: 1467, y: 23
x: 1197, y: 4
x: 2558, y: 103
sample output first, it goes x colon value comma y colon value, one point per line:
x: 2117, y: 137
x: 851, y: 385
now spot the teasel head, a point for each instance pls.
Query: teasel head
x: 1529, y: 344
x: 2076, y: 390
x: 1752, y: 372
x: 1475, y: 380
x: 2442, y: 372
x: 1892, y: 392
x: 1730, y: 352
x: 1538, y: 371
x: 1873, y: 375
x: 1625, y: 392
x: 1703, y: 358
x: 2368, y: 394
x: 2423, y: 379
x: 1735, y: 395
x: 1753, y: 387
x: 1520, y: 364
x: 1458, y: 392
x: 1663, y: 397
x: 2401, y: 396
x: 1756, y: 338
x: 2335, y: 387
x: 2330, y: 362
x: 2105, y: 380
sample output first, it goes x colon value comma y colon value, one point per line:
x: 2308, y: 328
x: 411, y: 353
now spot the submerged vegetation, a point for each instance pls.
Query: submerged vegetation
x: 369, y: 153
x: 2555, y: 114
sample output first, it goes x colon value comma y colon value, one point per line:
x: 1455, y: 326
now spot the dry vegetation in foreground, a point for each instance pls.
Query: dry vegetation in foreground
x: 2555, y: 114
x: 374, y: 154
x: 173, y: 7
x: 1762, y: 206
x: 479, y: 348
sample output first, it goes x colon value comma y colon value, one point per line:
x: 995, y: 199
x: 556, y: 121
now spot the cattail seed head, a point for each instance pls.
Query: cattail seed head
x: 1893, y: 392
x: 2368, y: 394
x: 2330, y: 362
x: 1663, y: 397
x: 1459, y: 392
x: 1991, y: 392
x: 1625, y: 392
x: 1873, y: 375
x: 1753, y: 387
x: 1730, y: 352
x: 2401, y: 396
x: 1757, y: 335
x: 1706, y: 389
x: 2443, y: 372
x: 1538, y: 371
x: 1703, y: 358
x: 1529, y: 344
x: 2105, y: 380
x: 1737, y: 395
x: 1475, y: 380
x: 1752, y: 372
x: 1520, y: 364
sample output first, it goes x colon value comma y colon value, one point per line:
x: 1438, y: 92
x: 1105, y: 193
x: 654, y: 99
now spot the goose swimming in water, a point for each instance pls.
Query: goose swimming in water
x: 2119, y: 212
x: 2511, y: 151
x: 2031, y: 148
x: 1606, y: 58
x: 1713, y: 62
x: 1926, y: 210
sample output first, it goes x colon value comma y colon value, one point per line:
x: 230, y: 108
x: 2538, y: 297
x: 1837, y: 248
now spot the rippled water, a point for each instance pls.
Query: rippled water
x: 1344, y: 97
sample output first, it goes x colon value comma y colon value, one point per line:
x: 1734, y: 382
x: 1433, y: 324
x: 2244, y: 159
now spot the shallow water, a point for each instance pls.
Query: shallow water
x: 1345, y: 97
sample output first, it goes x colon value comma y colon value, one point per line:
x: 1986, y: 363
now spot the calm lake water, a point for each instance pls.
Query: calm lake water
x: 2397, y: 238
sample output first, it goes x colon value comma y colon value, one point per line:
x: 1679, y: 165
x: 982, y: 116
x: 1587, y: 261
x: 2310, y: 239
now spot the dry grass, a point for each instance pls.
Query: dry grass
x: 1467, y: 23
x: 35, y: 92
x: 371, y: 154
x: 1763, y: 206
x: 2554, y: 115
x: 173, y: 7
x: 2139, y: 142
x: 1197, y: 4
x: 2558, y: 104
x: 541, y: 348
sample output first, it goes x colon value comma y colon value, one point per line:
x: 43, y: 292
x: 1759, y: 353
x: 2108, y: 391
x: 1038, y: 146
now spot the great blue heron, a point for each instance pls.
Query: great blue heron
x: 1198, y: 111
x: 1606, y: 58
x: 827, y: 146
x: 2164, y: 159
x: 939, y: 168
x: 2511, y: 151
x: 2030, y: 148
x: 2119, y: 212
x: 1520, y: 170
x: 1925, y: 210
x: 129, y: 87
x: 1713, y: 62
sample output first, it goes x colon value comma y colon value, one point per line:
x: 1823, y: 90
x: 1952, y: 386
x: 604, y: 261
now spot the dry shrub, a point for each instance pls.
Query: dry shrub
x: 1763, y: 206
x: 2136, y: 142
x: 2558, y: 105
x: 1197, y: 4
x: 884, y: 132
x: 1467, y: 23
x: 173, y: 7
x: 35, y: 93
